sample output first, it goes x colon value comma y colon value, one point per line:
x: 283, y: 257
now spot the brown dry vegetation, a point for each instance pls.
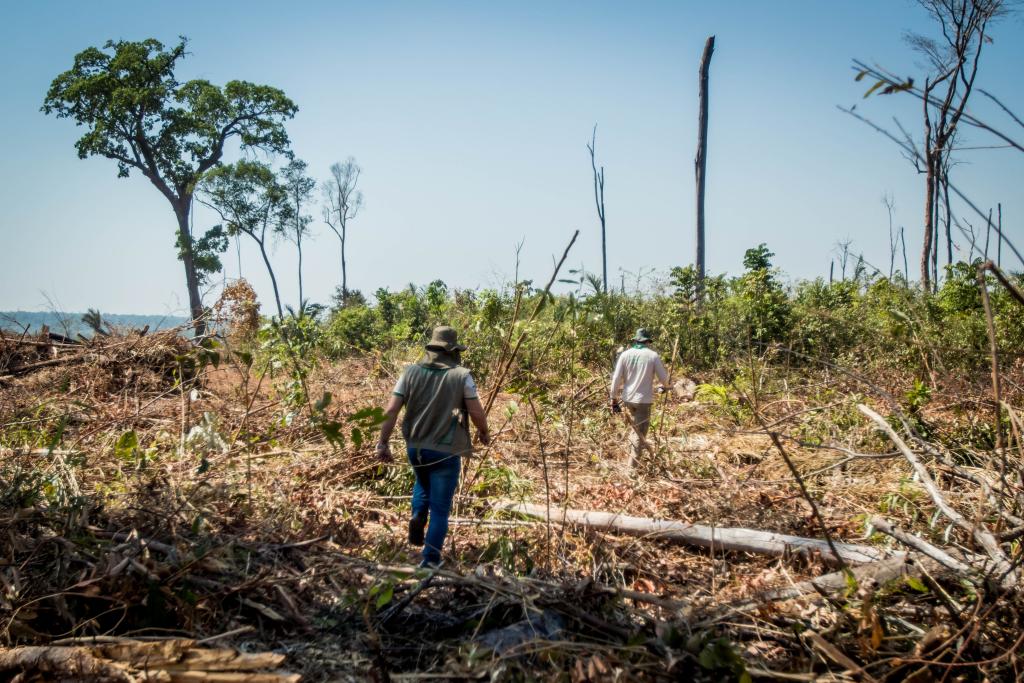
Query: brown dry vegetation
x: 281, y: 541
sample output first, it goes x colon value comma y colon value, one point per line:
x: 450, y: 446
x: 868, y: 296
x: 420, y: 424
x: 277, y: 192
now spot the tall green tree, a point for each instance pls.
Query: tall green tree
x: 251, y: 201
x: 137, y: 112
x: 299, y: 188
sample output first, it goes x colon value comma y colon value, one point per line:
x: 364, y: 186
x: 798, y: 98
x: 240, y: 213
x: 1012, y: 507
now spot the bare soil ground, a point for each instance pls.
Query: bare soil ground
x: 258, y: 533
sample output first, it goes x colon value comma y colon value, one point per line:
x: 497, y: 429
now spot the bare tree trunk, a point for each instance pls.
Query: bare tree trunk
x: 298, y: 243
x: 273, y: 280
x: 926, y: 247
x: 181, y: 211
x: 929, y: 194
x: 888, y: 202
x: 988, y: 233
x: 906, y: 264
x: 599, y: 201
x: 700, y: 164
x: 344, y: 274
x: 949, y: 218
x: 999, y: 235
x: 935, y: 231
x: 238, y: 254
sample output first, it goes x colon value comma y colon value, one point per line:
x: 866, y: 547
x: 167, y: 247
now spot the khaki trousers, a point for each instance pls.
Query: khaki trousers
x: 640, y: 414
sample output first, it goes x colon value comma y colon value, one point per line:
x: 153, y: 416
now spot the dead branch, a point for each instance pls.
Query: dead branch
x: 983, y: 537
x: 922, y: 546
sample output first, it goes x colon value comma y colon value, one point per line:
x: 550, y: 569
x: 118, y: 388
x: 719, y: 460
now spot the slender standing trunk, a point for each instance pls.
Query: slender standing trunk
x: 988, y: 234
x: 273, y: 280
x: 999, y: 236
x: 238, y: 253
x: 195, y: 303
x: 298, y: 243
x: 929, y: 222
x: 929, y: 193
x: 892, y: 238
x: 935, y: 238
x: 344, y: 274
x: 599, y: 201
x: 701, y: 161
x: 906, y: 264
x: 949, y: 218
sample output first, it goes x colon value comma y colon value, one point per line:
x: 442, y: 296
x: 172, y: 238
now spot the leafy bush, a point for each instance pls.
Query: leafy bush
x: 865, y: 321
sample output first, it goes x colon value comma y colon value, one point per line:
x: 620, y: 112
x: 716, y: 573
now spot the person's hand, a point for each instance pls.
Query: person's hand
x: 383, y: 451
x: 484, y: 437
x: 615, y: 407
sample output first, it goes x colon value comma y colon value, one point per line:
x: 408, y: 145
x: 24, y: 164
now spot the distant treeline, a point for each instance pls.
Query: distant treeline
x: 71, y: 323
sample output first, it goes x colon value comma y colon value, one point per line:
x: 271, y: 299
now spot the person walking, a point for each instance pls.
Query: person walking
x: 633, y: 382
x: 438, y: 393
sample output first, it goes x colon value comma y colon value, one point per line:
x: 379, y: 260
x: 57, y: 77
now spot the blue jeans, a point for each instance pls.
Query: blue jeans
x: 437, y: 477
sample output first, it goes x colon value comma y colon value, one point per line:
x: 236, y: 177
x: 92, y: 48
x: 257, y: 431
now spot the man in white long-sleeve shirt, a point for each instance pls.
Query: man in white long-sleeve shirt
x: 633, y: 381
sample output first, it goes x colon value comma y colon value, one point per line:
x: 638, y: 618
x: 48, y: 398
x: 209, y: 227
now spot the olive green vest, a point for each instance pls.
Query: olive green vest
x: 435, y: 408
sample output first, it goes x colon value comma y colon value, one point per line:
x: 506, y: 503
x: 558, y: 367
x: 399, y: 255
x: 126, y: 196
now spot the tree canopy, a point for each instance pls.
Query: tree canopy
x: 139, y: 114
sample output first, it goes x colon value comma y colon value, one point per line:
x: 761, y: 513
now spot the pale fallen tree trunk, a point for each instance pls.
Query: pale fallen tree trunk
x: 878, y: 573
x: 722, y: 538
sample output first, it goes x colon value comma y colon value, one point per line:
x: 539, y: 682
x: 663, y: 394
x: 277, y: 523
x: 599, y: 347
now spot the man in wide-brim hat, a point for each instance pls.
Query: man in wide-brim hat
x: 438, y: 393
x: 633, y: 382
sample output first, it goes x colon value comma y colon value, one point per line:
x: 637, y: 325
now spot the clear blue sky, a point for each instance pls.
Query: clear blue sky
x: 470, y: 121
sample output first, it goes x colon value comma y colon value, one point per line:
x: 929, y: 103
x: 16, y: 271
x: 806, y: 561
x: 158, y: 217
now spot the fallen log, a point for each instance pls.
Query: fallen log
x: 172, y: 660
x: 722, y: 538
x: 28, y: 367
x: 876, y: 574
x: 63, y: 663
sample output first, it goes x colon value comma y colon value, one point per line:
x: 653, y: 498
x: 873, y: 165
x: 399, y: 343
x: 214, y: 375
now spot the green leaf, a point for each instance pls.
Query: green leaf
x: 245, y: 357
x: 357, y: 437
x: 873, y: 88
x: 708, y: 658
x: 861, y: 74
x: 372, y: 415
x: 916, y: 584
x: 332, y: 432
x: 385, y: 595
x: 126, y: 445
x: 491, y: 551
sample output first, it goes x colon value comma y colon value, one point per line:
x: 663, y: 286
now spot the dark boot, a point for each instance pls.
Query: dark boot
x: 416, y: 526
